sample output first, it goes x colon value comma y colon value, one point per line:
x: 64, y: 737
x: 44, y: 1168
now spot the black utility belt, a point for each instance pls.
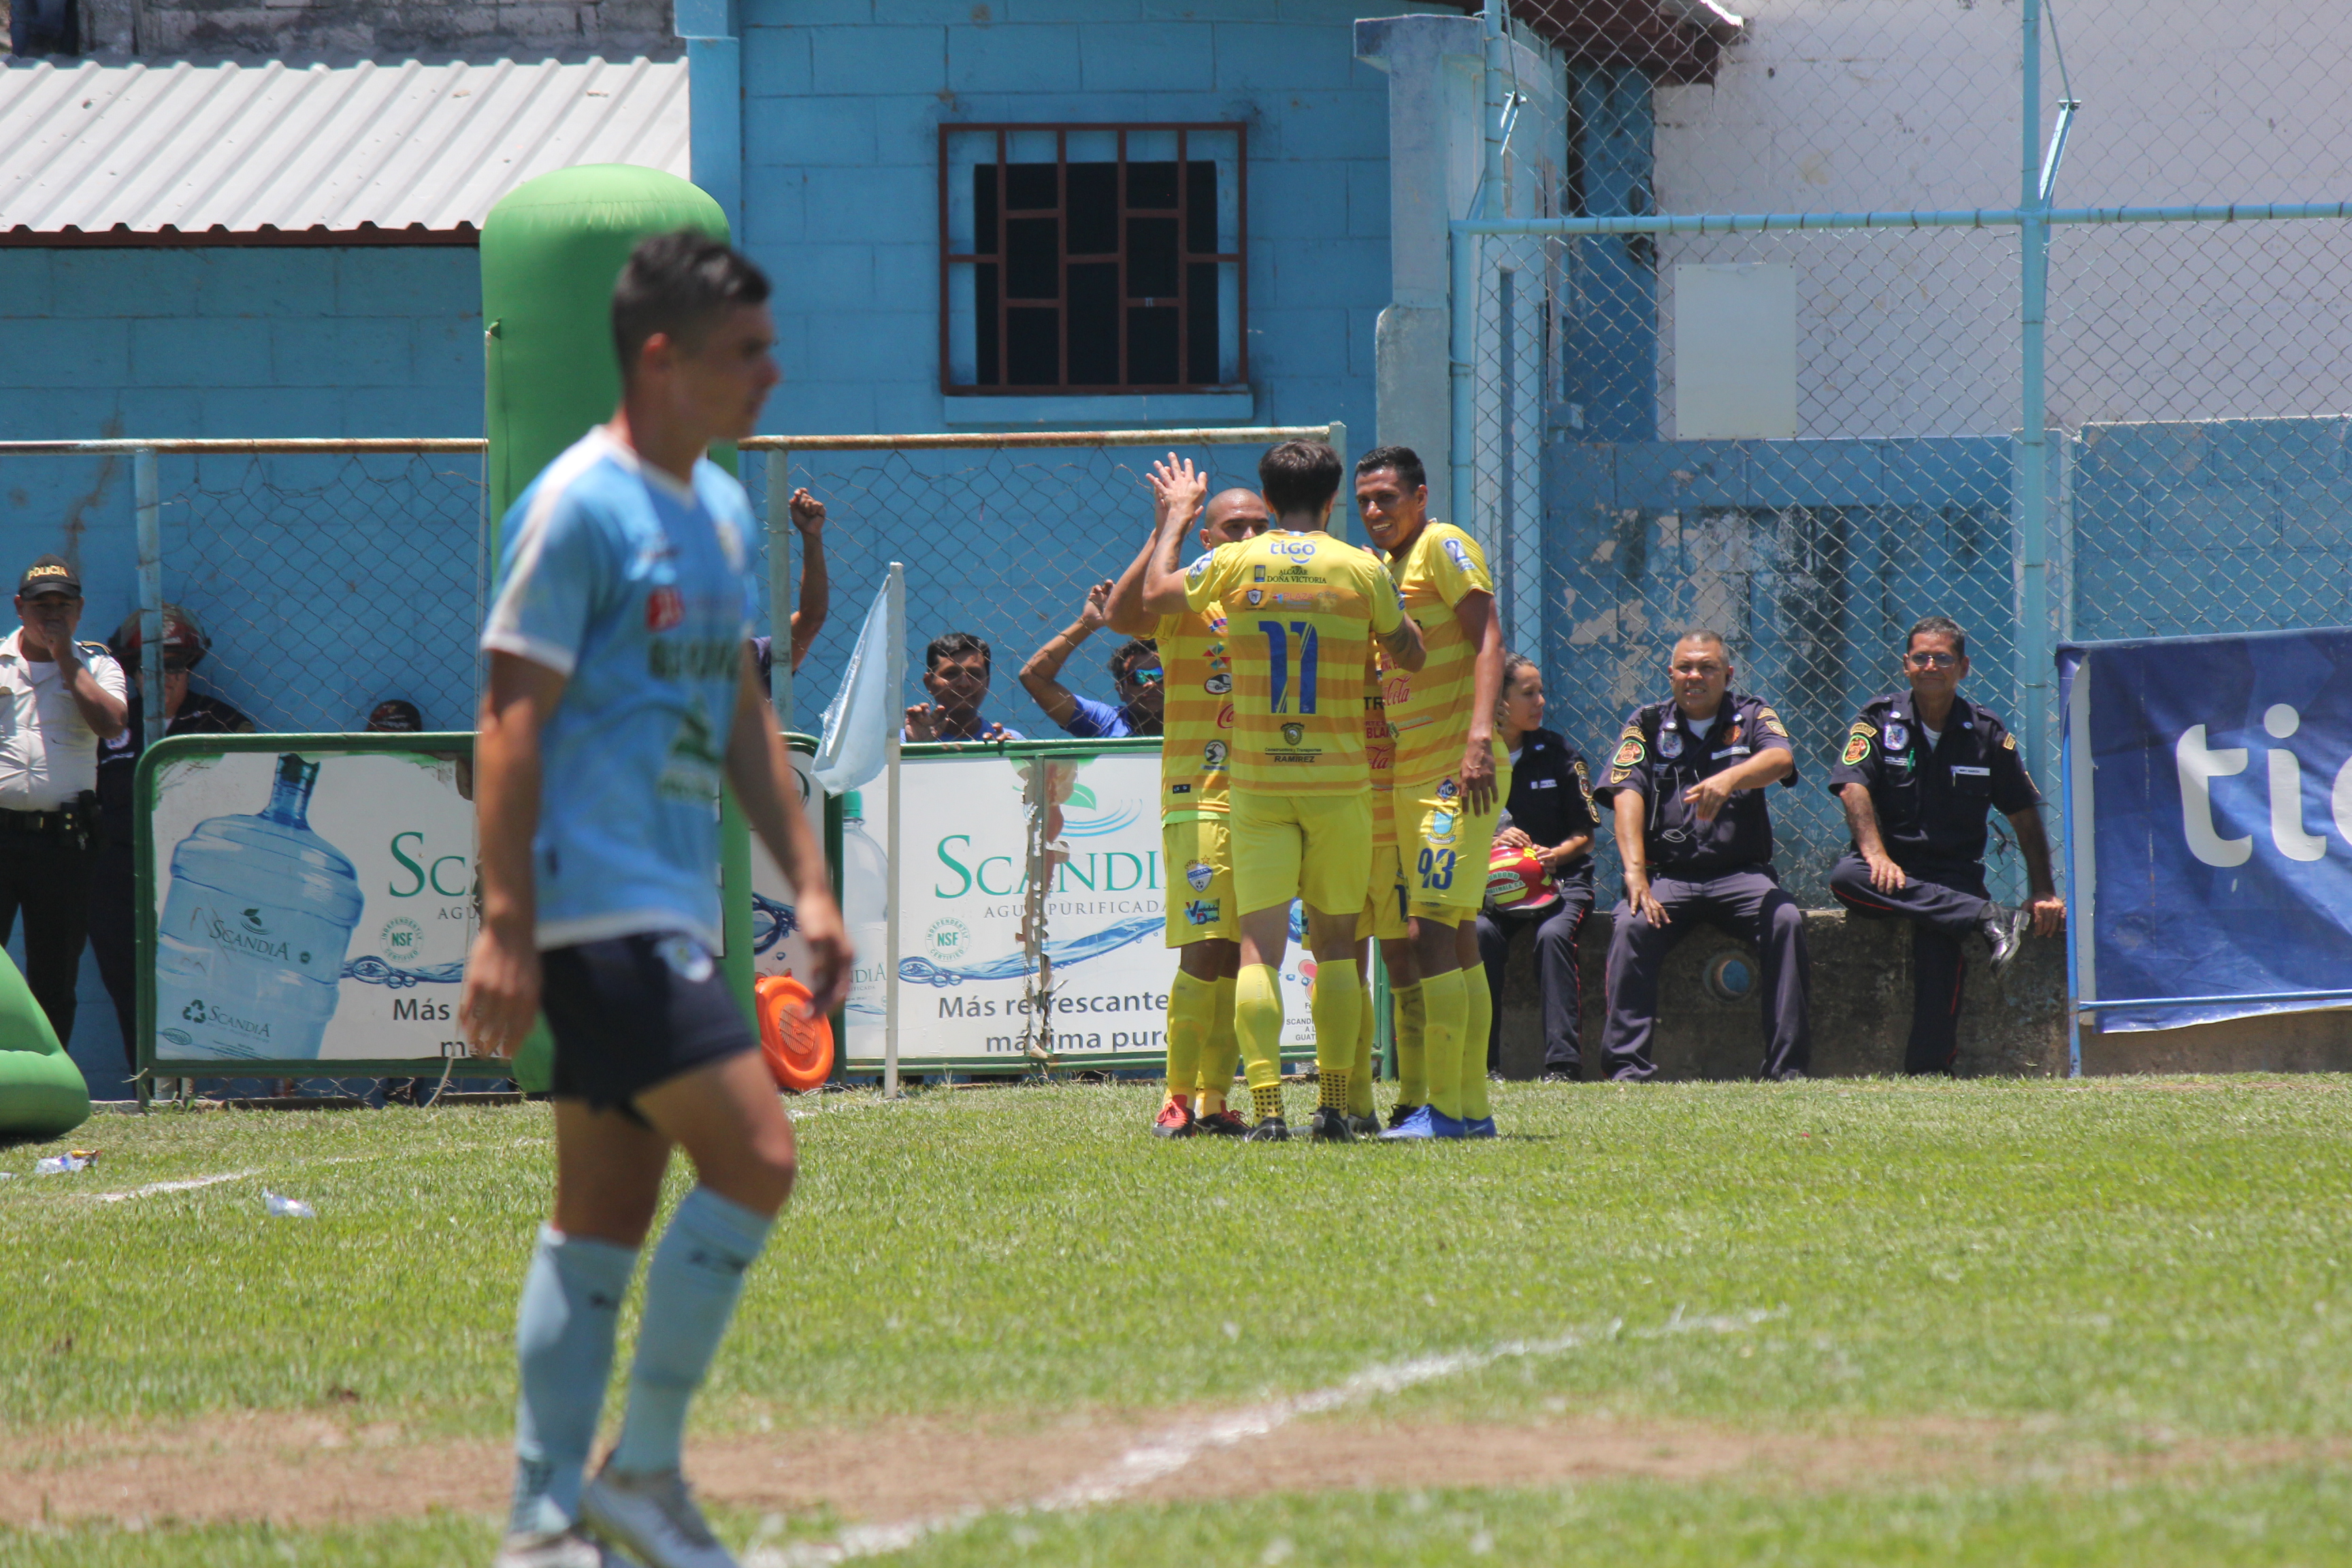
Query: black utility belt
x: 76, y: 818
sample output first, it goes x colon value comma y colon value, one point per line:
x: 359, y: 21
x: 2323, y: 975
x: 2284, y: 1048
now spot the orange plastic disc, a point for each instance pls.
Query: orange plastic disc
x: 799, y: 1050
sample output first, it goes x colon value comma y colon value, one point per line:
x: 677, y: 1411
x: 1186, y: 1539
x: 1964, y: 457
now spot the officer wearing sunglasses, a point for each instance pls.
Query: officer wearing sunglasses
x: 1921, y: 767
x: 1134, y: 669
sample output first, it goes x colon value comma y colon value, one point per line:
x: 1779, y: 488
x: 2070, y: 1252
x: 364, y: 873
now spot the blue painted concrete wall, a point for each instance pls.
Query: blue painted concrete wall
x: 842, y: 99
x: 288, y: 340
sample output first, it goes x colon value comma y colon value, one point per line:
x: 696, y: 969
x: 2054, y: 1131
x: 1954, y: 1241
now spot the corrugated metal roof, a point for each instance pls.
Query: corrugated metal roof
x: 176, y: 152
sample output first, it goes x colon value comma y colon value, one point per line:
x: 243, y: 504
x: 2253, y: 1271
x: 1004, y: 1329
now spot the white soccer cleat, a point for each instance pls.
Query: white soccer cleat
x: 549, y: 1548
x: 654, y: 1519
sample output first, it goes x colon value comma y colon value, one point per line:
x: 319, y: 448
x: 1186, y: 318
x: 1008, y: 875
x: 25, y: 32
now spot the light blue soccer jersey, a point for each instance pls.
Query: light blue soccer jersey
x: 639, y: 590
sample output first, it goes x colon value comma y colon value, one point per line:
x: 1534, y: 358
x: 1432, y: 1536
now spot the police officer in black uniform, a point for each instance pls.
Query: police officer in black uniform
x: 1920, y: 769
x: 1687, y: 787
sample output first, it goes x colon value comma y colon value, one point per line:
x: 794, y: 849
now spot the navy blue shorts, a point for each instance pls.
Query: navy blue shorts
x: 632, y: 1011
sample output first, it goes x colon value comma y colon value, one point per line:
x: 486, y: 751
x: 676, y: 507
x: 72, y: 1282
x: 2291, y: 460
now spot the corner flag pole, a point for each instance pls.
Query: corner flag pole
x: 898, y: 688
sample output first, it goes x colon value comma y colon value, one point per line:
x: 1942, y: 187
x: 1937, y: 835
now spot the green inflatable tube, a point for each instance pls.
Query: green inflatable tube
x: 550, y: 250
x: 41, y: 1091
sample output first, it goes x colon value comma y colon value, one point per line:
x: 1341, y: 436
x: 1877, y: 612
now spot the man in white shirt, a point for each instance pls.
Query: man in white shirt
x: 58, y: 700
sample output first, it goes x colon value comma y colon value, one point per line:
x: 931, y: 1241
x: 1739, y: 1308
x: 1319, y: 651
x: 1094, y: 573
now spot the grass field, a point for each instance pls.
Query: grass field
x: 1833, y: 1322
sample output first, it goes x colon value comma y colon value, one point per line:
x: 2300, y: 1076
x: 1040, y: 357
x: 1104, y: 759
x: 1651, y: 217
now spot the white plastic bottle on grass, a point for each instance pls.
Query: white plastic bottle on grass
x: 249, y: 949
x: 866, y: 907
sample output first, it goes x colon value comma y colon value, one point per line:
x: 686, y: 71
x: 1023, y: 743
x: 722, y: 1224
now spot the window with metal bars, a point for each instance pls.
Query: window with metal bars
x: 1092, y: 258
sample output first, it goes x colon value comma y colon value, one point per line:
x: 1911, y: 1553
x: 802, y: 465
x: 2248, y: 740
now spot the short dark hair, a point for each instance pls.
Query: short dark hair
x: 1132, y: 653
x: 1401, y: 460
x: 680, y: 283
x: 956, y: 644
x: 1299, y: 476
x: 1704, y: 634
x: 1937, y: 627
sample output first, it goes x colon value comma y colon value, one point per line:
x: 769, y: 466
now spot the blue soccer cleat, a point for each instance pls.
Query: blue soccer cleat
x: 1427, y: 1121
x: 1479, y: 1127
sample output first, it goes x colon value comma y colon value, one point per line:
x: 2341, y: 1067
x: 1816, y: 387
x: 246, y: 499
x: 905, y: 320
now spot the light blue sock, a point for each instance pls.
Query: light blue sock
x: 690, y: 1291
x: 563, y: 1341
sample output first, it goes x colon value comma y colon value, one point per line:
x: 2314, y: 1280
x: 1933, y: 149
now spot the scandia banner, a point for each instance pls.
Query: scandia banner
x: 965, y: 982
x: 313, y: 898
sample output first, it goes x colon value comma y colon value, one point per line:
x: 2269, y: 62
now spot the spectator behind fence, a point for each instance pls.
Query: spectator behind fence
x: 1549, y: 815
x: 63, y: 699
x: 956, y: 670
x: 1135, y: 672
x: 113, y: 886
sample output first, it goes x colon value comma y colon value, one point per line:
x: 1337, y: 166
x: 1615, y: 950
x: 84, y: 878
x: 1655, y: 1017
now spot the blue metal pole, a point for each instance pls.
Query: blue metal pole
x: 2033, y: 649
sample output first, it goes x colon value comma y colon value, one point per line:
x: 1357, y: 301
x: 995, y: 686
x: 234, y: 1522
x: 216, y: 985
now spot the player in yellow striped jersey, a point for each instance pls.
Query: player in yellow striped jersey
x: 1450, y: 781
x: 1303, y: 610
x: 1383, y: 918
x: 1203, y: 919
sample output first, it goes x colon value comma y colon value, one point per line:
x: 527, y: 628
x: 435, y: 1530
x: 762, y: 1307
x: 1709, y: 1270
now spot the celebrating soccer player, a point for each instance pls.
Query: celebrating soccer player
x: 1203, y: 919
x: 621, y: 695
x: 1449, y: 785
x: 1301, y: 609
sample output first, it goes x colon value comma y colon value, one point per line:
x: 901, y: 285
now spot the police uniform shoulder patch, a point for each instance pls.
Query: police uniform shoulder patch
x: 2009, y: 743
x: 1771, y: 722
x: 1629, y: 752
x: 1857, y: 744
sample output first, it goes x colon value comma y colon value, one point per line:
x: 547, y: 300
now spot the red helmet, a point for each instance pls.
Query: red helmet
x: 1516, y: 880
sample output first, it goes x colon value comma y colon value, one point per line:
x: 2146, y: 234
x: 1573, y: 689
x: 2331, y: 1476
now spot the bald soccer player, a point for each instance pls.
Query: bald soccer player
x: 1203, y: 919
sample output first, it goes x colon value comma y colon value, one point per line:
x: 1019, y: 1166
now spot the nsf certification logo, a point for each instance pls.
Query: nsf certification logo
x: 947, y: 939
x: 403, y: 938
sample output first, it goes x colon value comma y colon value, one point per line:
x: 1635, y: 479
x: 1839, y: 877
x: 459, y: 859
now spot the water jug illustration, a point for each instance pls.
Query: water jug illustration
x: 865, y: 898
x: 249, y: 949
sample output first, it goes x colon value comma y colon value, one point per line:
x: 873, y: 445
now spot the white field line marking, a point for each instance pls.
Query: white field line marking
x: 153, y: 1187
x: 1172, y: 1450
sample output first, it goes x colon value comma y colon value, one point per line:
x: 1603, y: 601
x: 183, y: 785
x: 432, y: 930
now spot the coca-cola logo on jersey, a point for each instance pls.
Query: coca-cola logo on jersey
x: 664, y: 608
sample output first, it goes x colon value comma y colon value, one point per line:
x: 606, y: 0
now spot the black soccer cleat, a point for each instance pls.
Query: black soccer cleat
x: 1329, y: 1125
x: 1365, y: 1126
x: 1269, y: 1130
x: 1225, y: 1123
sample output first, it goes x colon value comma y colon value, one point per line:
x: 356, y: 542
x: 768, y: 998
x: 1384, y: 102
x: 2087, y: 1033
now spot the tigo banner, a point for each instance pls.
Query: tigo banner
x: 2211, y: 822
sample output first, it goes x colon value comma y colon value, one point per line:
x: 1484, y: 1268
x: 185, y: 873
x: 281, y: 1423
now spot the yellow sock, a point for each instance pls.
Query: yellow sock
x: 1443, y: 1007
x: 1478, y: 1019
x: 1221, y: 1052
x: 1191, y: 1009
x: 1413, y: 1072
x: 1258, y: 1021
x: 1336, y: 1008
x: 1359, y: 1078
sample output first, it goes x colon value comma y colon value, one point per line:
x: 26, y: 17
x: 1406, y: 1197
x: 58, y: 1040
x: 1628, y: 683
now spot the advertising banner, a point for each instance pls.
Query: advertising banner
x: 964, y: 978
x: 2211, y: 822
x: 313, y: 900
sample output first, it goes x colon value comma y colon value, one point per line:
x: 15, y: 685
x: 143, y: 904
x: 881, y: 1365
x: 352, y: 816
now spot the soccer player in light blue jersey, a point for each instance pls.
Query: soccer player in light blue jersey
x: 621, y: 696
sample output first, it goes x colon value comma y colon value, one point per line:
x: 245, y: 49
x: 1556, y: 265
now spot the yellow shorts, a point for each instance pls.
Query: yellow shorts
x: 1444, y: 847
x: 1318, y: 848
x: 1199, y: 857
x: 1383, y: 915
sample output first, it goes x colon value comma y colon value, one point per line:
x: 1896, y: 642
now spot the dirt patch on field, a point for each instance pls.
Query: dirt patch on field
x: 312, y: 1471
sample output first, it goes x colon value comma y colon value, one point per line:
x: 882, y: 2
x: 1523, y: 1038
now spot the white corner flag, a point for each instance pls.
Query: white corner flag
x: 865, y: 716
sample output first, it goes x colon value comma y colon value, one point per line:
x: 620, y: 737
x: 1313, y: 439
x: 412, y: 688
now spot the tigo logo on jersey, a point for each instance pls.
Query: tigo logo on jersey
x: 664, y: 608
x: 1297, y: 549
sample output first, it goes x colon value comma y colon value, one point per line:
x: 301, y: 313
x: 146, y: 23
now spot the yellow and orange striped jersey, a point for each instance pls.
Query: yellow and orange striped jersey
x: 1301, y: 609
x: 1197, y: 713
x: 1429, y: 708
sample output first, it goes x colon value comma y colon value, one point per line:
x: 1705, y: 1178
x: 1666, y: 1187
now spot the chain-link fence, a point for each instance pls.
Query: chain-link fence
x: 1765, y: 355
x: 1001, y: 536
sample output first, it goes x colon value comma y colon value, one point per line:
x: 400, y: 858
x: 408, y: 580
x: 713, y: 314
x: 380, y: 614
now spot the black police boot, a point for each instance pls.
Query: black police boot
x: 2004, y: 934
